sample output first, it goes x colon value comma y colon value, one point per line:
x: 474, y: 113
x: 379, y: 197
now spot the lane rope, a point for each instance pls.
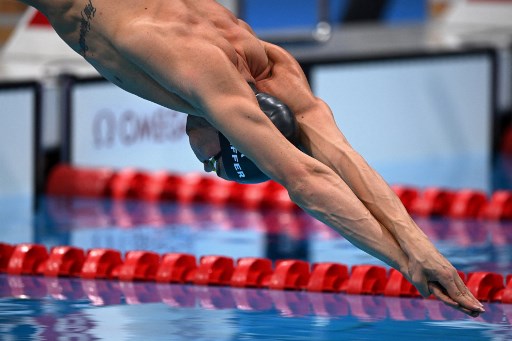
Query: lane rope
x: 213, y: 270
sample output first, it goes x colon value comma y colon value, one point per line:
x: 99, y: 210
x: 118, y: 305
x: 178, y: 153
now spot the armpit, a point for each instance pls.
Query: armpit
x: 196, y: 122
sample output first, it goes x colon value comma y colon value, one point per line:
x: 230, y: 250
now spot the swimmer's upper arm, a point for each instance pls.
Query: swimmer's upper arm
x: 240, y: 119
x: 248, y: 129
x: 310, y: 184
x: 229, y: 104
x: 204, y: 76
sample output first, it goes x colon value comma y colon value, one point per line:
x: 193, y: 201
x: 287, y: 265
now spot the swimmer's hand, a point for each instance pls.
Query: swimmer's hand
x: 433, y: 274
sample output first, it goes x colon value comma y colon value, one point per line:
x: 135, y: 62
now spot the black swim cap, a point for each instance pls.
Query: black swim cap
x: 237, y: 166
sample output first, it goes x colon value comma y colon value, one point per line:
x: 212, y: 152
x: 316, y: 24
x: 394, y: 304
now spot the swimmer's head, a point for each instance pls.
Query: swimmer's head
x: 217, y: 154
x: 204, y: 140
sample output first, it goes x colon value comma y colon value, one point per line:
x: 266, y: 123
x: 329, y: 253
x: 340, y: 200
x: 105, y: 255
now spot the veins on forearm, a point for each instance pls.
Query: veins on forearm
x: 87, y: 15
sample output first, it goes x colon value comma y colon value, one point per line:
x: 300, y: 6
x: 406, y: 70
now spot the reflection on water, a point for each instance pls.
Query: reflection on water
x: 471, y: 245
x: 37, y: 308
x: 55, y: 309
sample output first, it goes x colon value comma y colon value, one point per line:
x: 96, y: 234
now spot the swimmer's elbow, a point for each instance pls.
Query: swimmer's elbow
x: 304, y: 179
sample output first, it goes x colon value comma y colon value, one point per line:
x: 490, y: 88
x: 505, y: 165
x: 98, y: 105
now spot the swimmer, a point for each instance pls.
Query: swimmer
x: 194, y: 56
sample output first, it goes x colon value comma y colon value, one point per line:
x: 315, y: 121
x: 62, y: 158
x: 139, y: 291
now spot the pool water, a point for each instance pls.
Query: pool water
x: 39, y: 308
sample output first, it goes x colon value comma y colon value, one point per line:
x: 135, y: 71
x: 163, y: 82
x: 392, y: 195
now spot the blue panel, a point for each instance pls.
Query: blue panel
x: 406, y: 11
x: 337, y: 10
x: 271, y: 14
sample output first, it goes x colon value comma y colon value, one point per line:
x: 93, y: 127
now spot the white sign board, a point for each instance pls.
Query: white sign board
x: 109, y: 127
x: 424, y: 121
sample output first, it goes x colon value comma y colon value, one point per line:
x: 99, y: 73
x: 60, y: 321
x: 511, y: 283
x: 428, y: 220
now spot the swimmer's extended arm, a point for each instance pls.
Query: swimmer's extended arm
x: 230, y: 106
x: 208, y: 80
x: 324, y: 141
x: 204, y: 77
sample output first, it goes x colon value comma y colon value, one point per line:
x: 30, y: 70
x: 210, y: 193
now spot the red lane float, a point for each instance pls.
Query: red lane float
x: 290, y: 275
x: 129, y: 184
x: 27, y: 259
x: 252, y: 196
x: 207, y: 189
x: 100, y: 264
x: 252, y: 273
x: 190, y: 188
x: 176, y: 268
x: 237, y: 194
x: 328, y: 277
x: 367, y: 280
x: 499, y: 206
x: 434, y: 201
x: 485, y: 285
x: 276, y: 197
x: 160, y: 186
x: 467, y: 204
x: 68, y: 181
x: 64, y: 261
x: 65, y: 180
x: 6, y: 251
x: 214, y: 270
x: 138, y: 266
x: 398, y: 286
x: 407, y: 195
x: 220, y: 194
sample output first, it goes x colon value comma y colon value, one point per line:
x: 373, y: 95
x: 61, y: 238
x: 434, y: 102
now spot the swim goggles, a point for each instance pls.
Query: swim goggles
x: 213, y: 163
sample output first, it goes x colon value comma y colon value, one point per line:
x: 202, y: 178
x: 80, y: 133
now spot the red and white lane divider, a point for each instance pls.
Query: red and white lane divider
x: 109, y: 264
x: 162, y: 186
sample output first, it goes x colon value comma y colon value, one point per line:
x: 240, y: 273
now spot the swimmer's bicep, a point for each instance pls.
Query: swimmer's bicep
x: 204, y: 77
x: 228, y: 103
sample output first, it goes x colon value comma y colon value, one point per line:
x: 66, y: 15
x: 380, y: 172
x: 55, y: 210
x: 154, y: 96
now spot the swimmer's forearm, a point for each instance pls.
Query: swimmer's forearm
x: 312, y: 185
x: 326, y: 143
x: 327, y: 198
x: 382, y: 202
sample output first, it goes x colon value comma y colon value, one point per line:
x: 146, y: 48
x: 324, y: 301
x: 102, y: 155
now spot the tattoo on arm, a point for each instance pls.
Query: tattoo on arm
x: 85, y: 26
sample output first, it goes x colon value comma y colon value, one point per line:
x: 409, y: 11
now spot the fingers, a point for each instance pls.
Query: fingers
x: 440, y: 292
x: 458, y: 291
x: 444, y: 282
x: 472, y: 300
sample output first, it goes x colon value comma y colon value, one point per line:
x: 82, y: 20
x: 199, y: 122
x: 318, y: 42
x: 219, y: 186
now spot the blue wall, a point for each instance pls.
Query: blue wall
x: 268, y: 14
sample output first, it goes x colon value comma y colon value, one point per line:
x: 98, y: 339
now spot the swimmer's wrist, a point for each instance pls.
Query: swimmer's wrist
x: 411, y: 238
x: 420, y: 250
